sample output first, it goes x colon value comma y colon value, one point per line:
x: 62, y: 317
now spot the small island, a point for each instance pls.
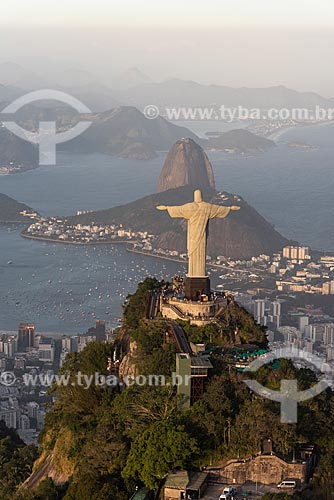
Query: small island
x: 301, y: 145
x: 240, y: 141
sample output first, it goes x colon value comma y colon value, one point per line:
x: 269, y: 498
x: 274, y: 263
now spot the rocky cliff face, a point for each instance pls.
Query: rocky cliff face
x: 186, y: 164
x: 54, y: 461
x: 128, y: 367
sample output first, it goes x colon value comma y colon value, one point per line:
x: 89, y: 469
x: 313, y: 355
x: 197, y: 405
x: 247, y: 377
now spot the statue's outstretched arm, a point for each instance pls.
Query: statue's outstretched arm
x: 220, y: 211
x: 179, y: 211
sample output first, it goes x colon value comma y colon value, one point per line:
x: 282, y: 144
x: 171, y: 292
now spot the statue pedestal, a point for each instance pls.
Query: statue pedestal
x: 195, y: 287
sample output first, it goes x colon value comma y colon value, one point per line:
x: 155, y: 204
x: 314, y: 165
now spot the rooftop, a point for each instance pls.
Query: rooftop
x: 182, y: 479
x: 196, y: 480
x: 178, y: 479
x: 201, y: 361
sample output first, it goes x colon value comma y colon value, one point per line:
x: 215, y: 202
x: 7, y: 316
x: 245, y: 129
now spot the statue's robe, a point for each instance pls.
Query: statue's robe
x: 198, y: 215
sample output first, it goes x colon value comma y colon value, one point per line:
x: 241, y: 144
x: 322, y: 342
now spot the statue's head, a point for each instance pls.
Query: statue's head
x: 198, y: 198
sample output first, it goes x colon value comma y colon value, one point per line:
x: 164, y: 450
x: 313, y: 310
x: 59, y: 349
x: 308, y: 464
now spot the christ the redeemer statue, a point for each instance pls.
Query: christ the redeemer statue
x: 197, y: 214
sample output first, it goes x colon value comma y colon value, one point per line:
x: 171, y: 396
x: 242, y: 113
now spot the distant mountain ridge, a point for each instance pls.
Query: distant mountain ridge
x: 114, y: 131
x: 13, y: 74
x: 130, y: 78
x: 126, y: 132
x: 176, y: 92
x: 134, y: 87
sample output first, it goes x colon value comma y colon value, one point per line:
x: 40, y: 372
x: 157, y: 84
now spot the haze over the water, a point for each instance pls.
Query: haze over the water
x: 254, y: 43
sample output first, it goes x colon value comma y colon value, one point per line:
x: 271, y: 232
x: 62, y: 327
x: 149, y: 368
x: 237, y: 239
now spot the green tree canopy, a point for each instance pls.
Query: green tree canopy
x: 163, y: 447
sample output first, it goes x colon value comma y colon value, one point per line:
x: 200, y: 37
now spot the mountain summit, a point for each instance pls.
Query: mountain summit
x: 186, y: 165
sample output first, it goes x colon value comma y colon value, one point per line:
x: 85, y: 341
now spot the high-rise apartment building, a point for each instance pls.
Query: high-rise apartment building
x: 296, y: 253
x: 26, y: 337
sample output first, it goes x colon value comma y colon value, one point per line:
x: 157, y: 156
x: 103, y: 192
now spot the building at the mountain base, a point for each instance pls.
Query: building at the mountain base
x: 266, y: 468
x: 181, y: 485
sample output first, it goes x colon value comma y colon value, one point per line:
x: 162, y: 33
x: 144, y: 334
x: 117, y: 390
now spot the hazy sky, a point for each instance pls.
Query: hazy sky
x: 233, y: 42
x: 172, y: 12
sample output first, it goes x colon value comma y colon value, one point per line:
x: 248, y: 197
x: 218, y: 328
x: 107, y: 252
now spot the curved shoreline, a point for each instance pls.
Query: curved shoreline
x: 77, y: 243
x: 129, y: 248
x: 147, y: 254
x: 179, y: 261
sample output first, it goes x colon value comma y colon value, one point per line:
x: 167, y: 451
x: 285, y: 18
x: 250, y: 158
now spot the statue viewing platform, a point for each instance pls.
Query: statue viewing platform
x: 200, y: 312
